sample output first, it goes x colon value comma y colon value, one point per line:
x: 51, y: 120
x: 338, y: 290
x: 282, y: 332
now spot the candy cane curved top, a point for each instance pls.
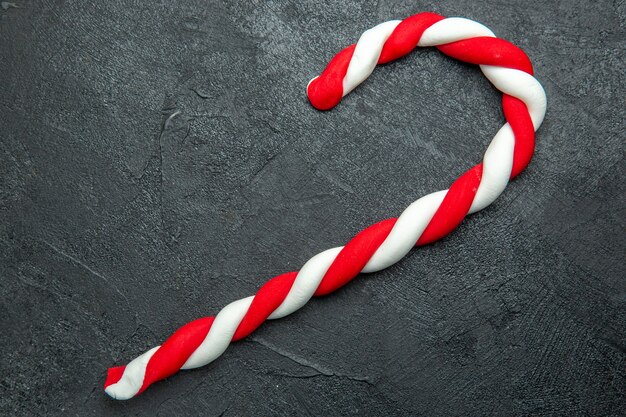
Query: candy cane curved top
x: 382, y: 244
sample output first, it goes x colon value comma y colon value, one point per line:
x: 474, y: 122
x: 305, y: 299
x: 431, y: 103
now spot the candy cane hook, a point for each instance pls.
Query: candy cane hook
x: 426, y: 220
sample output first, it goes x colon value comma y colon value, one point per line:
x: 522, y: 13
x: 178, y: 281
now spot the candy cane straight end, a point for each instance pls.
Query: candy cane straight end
x: 382, y: 244
x: 113, y: 376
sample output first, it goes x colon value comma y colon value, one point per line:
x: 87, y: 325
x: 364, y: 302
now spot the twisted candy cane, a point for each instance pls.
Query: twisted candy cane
x: 384, y: 243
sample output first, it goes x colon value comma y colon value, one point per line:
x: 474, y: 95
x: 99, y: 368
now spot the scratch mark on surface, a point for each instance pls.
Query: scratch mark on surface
x: 203, y: 95
x: 223, y: 413
x: 428, y: 146
x: 80, y: 263
x: 90, y: 395
x: 319, y: 370
x: 263, y: 166
x: 334, y: 180
x: 271, y: 126
x: 77, y: 261
x: 614, y: 344
x: 164, y: 129
x: 158, y: 409
x: 8, y: 5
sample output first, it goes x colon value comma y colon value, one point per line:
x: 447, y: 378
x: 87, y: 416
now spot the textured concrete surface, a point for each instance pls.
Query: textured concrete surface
x: 159, y: 159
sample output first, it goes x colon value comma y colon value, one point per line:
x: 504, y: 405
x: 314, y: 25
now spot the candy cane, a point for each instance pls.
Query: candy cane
x: 385, y: 243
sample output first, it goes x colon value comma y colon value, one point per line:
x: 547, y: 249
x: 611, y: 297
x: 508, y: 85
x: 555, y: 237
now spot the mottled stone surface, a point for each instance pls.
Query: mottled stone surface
x: 159, y: 159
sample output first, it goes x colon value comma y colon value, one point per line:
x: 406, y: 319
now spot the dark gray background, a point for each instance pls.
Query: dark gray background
x: 160, y: 159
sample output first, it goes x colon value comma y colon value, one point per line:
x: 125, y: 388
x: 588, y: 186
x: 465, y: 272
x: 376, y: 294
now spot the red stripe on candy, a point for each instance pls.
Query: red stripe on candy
x: 406, y: 35
x: 354, y: 256
x: 454, y: 206
x: 172, y: 355
x: 266, y: 300
x: 488, y: 51
x: 516, y: 113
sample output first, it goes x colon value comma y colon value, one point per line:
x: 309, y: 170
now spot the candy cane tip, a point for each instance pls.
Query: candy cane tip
x: 320, y: 96
x: 114, y: 375
x: 120, y: 391
x: 112, y: 392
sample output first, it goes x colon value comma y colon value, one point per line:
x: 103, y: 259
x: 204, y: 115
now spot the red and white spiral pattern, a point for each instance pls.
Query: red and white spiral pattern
x: 382, y: 244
